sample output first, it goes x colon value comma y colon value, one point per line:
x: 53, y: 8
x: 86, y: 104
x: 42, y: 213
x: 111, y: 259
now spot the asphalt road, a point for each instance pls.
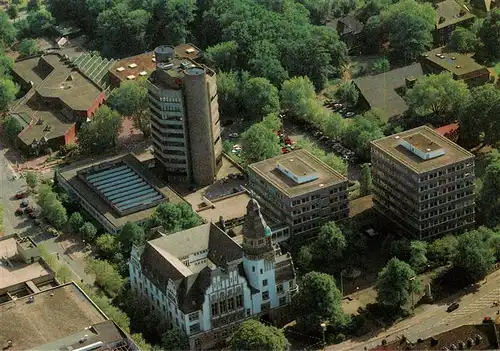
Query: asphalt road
x: 433, y: 319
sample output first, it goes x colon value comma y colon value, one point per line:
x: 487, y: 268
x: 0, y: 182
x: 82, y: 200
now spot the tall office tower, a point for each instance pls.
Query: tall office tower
x: 185, y: 117
x: 423, y: 182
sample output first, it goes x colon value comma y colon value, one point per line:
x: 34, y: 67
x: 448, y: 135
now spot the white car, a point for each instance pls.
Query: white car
x: 234, y: 135
x: 350, y: 114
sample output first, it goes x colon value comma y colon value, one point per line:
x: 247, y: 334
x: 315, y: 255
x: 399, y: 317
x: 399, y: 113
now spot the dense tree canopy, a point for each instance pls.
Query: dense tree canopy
x: 259, y: 143
x: 174, y: 217
x: 295, y: 95
x: 489, y: 199
x: 130, y: 99
x: 365, y: 180
x: 174, y: 339
x: 7, y: 30
x: 52, y: 209
x: 88, y: 231
x: 489, y: 33
x: 28, y: 47
x: 474, y: 257
x: 396, y: 282
x: 75, y: 221
x: 11, y: 127
x: 253, y: 335
x: 480, y: 116
x: 438, y: 95
x: 464, y: 40
x: 260, y: 98
x: 106, y: 276
x: 131, y: 234
x: 360, y: 132
x: 8, y: 91
x: 318, y: 301
x: 101, y: 133
x: 409, y: 25
x: 442, y: 250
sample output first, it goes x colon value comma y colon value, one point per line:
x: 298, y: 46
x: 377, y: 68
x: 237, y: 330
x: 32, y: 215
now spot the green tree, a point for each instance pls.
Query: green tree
x: 76, y: 221
x: 463, y: 40
x: 6, y: 64
x: 223, y: 55
x: 12, y: 127
x: 259, y: 143
x: 489, y: 201
x: 480, y: 116
x: 229, y: 93
x: 108, y: 244
x: 329, y: 247
x: 260, y: 98
x: 28, y: 47
x: 174, y: 339
x: 295, y: 93
x: 395, y: 283
x: 52, y: 208
x: 358, y: 134
x: 8, y: 91
x: 318, y: 301
x: 489, y: 33
x: 121, y: 31
x: 40, y: 22
x: 174, y: 217
x: 131, y: 234
x: 34, y: 5
x: 442, y: 250
x: 365, y: 180
x: 88, y: 231
x: 101, y: 133
x: 106, y: 276
x: 349, y: 93
x: 130, y: 99
x: 266, y: 63
x: 374, y: 29
x: 474, y: 257
x: 418, y: 259
x: 272, y: 122
x: 330, y: 159
x: 13, y: 11
x: 31, y: 179
x: 305, y: 258
x: 438, y: 95
x: 253, y: 335
x: 382, y: 65
x: 7, y: 30
x: 409, y: 25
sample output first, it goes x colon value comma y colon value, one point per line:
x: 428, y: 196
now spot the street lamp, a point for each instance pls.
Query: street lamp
x: 323, y: 329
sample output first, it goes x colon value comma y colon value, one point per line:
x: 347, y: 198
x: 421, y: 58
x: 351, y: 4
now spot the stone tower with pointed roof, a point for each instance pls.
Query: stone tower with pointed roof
x: 256, y: 234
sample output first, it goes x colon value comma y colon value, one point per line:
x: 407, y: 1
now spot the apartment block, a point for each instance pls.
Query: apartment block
x: 184, y: 117
x: 299, y: 190
x: 205, y: 284
x: 424, y: 182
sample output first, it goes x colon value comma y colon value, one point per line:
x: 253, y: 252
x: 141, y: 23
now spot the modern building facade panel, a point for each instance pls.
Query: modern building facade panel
x: 424, y: 182
x: 185, y: 118
x: 300, y: 190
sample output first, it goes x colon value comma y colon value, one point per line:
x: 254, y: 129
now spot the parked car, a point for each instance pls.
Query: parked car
x: 24, y: 203
x: 234, y: 135
x: 452, y: 307
x: 350, y: 114
x: 21, y: 195
x: 19, y: 212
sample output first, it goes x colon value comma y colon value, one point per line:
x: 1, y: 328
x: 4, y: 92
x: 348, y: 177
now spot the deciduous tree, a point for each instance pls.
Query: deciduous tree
x: 395, y: 284
x: 489, y: 33
x: 131, y: 234
x: 7, y: 30
x: 8, y: 91
x: 295, y: 93
x: 463, y: 40
x: 174, y: 339
x: 223, y: 56
x: 13, y: 11
x: 106, y: 276
x: 108, y: 244
x: 318, y: 301
x: 259, y: 143
x: 101, y: 133
x: 442, y: 250
x: 174, y: 217
x: 75, y: 221
x: 131, y: 100
x: 474, y: 257
x: 88, y: 231
x: 365, y: 180
x: 260, y: 98
x: 28, y: 47
x: 253, y: 335
x: 31, y: 179
x: 489, y: 199
x: 12, y: 127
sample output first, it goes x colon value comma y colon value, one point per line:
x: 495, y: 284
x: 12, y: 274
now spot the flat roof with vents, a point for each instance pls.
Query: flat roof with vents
x: 132, y: 65
x: 430, y: 151
x: 119, y: 188
x: 122, y: 187
x: 297, y: 173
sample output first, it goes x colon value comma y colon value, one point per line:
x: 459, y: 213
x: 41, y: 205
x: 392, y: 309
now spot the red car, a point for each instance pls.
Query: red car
x: 21, y: 195
x: 19, y: 212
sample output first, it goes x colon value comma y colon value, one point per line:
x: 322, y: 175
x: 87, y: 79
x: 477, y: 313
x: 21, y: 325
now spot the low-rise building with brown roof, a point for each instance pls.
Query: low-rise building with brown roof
x: 300, y: 191
x: 461, y: 66
x: 58, y: 97
x: 449, y: 15
x: 424, y: 182
x: 204, y: 283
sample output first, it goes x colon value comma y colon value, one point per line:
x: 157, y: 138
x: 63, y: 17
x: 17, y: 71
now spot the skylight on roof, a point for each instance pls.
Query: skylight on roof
x: 143, y: 73
x: 131, y: 77
x: 132, y: 65
x: 120, y: 69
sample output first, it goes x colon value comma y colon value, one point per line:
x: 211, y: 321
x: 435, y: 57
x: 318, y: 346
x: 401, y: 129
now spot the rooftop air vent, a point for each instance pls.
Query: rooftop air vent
x: 190, y: 51
x: 132, y: 65
x: 478, y: 339
x: 397, y: 137
x: 457, y: 66
x: 143, y: 73
x: 461, y: 345
x: 120, y: 69
x: 153, y: 59
x: 131, y: 77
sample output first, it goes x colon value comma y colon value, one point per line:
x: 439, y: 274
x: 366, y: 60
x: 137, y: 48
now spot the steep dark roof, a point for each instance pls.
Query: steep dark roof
x: 380, y: 90
x: 346, y: 25
x: 162, y: 260
x: 255, y: 225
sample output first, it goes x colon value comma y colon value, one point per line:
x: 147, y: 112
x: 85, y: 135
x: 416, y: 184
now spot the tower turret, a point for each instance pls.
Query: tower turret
x: 256, y: 233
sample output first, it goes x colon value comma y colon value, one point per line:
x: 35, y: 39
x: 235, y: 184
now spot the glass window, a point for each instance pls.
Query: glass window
x: 265, y: 295
x: 239, y: 301
x: 264, y: 282
x: 215, y: 309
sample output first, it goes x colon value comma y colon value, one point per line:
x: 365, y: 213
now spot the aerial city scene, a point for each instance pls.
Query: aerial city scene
x: 249, y: 175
